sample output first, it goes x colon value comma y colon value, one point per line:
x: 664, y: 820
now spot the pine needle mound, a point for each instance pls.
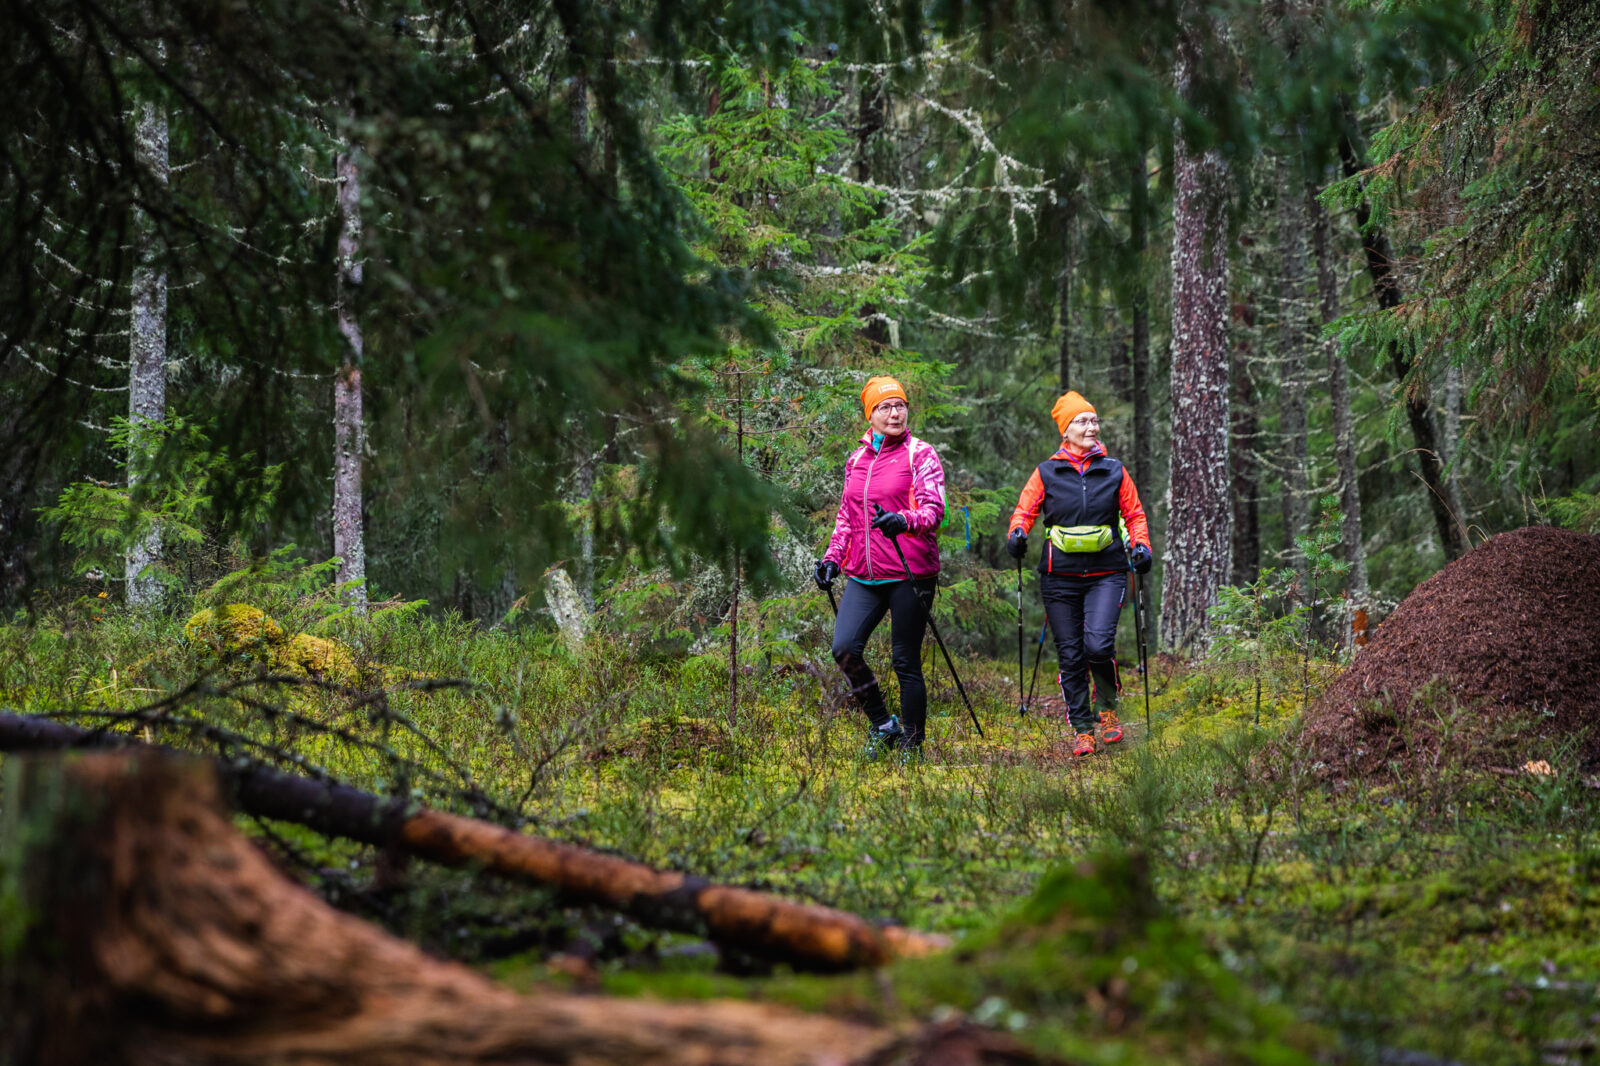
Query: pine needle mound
x: 1497, y: 656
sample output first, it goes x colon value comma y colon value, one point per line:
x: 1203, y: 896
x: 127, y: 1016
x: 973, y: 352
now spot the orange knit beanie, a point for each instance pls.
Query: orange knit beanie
x: 879, y: 390
x: 1070, y: 406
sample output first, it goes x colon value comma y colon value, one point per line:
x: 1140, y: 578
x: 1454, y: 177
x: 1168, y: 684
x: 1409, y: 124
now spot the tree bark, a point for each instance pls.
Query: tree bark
x: 1344, y: 441
x: 1200, y: 521
x: 349, y: 530
x: 1293, y: 330
x: 806, y: 936
x: 160, y: 934
x: 147, y: 342
x: 1386, y: 288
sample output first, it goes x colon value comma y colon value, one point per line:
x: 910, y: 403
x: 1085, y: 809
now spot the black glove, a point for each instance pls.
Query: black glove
x: 1141, y: 558
x: 1017, y: 543
x: 890, y: 523
x: 824, y: 574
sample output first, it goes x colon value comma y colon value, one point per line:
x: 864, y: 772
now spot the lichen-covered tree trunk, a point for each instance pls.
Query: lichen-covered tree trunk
x: 147, y: 340
x: 349, y: 531
x: 1293, y: 333
x: 1200, y: 519
x: 1450, y: 430
x: 1344, y: 441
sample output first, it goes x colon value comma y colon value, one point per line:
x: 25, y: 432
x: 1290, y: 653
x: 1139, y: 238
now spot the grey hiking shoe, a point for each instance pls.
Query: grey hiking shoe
x: 883, y: 738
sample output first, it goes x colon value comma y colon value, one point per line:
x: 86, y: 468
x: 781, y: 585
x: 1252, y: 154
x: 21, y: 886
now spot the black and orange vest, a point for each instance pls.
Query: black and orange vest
x: 1092, y: 498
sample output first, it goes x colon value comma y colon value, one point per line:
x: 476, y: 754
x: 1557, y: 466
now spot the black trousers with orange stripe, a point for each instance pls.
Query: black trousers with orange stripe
x: 1083, y: 613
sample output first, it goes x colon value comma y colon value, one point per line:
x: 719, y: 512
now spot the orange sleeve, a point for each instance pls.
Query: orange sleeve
x: 1030, y: 501
x: 1132, y: 511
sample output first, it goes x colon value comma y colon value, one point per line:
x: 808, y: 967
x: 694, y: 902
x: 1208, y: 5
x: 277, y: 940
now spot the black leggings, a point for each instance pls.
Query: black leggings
x: 861, y: 608
x: 1083, y: 613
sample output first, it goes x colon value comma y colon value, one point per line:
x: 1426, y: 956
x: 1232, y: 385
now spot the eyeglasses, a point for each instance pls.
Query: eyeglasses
x: 1085, y: 421
x: 891, y: 406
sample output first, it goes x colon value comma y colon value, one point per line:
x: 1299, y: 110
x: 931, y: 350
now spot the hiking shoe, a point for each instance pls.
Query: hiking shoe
x: 1085, y: 744
x: 910, y: 753
x: 883, y: 738
x: 1110, y: 728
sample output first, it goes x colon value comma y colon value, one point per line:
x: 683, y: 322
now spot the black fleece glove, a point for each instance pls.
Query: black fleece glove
x: 890, y: 523
x: 1017, y: 543
x: 824, y: 574
x: 1141, y: 558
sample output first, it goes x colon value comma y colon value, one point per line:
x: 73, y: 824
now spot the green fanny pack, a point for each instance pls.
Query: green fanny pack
x: 1080, y: 538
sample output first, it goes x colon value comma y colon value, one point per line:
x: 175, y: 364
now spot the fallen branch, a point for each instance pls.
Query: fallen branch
x: 756, y: 923
x: 156, y: 933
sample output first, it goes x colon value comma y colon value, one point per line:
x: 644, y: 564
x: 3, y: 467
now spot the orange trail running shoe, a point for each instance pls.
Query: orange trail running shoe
x: 1110, y: 728
x: 1085, y: 744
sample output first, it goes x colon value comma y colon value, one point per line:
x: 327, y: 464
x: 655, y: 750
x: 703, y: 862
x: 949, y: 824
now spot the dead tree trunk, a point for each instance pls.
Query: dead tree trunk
x: 1344, y: 442
x: 1200, y: 520
x: 160, y: 934
x: 147, y: 343
x: 758, y: 924
x: 349, y: 531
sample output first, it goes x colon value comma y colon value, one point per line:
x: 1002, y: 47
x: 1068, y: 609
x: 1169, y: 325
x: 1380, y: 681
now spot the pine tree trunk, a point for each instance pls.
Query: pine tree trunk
x: 1200, y: 523
x: 1419, y: 408
x: 1293, y: 331
x: 1344, y: 442
x: 147, y: 340
x: 349, y: 539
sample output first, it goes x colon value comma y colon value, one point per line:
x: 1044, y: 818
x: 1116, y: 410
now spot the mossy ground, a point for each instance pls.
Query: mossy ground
x: 1233, y: 906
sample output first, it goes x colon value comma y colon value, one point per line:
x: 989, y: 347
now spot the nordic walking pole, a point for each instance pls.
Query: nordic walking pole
x: 831, y: 601
x: 1022, y: 702
x: 1037, y: 656
x: 1144, y: 656
x: 927, y: 611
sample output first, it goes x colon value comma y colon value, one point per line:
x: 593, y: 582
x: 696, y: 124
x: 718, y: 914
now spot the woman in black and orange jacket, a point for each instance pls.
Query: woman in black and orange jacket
x: 1095, y: 531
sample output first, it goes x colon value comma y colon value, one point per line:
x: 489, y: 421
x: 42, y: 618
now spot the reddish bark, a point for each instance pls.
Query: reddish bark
x: 161, y: 935
x: 804, y: 935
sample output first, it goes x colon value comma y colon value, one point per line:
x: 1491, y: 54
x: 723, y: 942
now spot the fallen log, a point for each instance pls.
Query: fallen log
x: 756, y: 923
x: 156, y: 933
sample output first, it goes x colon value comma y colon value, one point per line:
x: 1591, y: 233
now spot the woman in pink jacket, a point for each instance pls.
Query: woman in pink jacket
x: 893, y: 488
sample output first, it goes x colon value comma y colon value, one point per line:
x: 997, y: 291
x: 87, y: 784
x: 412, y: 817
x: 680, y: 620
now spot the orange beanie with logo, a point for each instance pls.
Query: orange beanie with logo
x: 878, y: 390
x: 1070, y: 406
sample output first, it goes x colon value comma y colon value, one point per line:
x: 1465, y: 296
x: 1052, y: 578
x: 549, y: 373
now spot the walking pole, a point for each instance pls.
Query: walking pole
x: 1037, y: 656
x: 831, y: 601
x: 927, y: 611
x: 1022, y: 701
x: 1144, y: 656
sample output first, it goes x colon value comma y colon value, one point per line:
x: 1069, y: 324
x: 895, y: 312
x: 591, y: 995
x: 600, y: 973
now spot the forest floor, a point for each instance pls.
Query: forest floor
x: 1197, y: 893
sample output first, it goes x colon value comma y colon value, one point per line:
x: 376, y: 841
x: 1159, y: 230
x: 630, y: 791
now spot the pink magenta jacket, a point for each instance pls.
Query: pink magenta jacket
x: 903, y: 475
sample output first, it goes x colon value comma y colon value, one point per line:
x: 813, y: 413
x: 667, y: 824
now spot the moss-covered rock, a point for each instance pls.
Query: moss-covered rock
x: 308, y: 656
x: 235, y: 631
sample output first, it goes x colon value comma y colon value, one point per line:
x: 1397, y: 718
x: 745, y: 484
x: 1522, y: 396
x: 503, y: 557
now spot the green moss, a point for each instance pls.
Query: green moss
x: 235, y: 630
